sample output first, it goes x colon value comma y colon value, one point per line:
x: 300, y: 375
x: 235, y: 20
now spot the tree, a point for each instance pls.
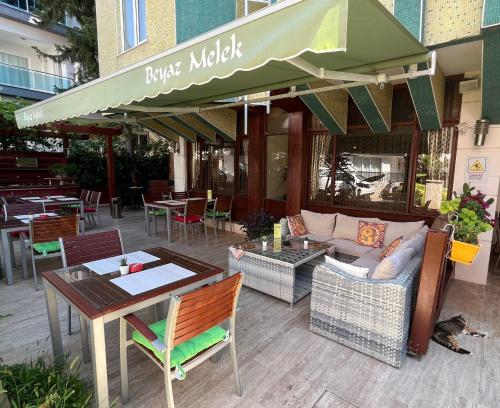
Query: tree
x: 13, y: 139
x: 82, y: 39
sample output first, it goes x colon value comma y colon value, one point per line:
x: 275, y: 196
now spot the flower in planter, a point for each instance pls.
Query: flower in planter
x: 258, y: 224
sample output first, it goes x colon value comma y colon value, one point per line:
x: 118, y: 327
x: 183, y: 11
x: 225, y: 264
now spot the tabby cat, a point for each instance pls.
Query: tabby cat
x: 446, y: 332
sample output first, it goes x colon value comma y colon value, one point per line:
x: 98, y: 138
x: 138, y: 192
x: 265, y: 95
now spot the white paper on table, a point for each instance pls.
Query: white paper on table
x: 108, y: 265
x: 153, y: 278
x: 68, y: 199
x: 27, y: 217
x: 57, y: 196
x: 171, y: 202
x: 30, y: 198
x: 42, y: 201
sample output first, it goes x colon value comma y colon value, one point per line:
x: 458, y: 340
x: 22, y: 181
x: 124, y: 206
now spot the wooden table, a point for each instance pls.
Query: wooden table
x: 168, y: 206
x: 6, y: 227
x: 99, y: 301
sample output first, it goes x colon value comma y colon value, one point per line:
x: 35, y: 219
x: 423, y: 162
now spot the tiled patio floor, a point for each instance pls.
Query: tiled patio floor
x: 282, y: 364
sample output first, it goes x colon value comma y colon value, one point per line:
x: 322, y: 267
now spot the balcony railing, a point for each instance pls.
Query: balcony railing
x: 20, y: 77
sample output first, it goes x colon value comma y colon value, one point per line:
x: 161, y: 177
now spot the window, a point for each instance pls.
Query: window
x: 277, y: 154
x: 433, y: 168
x: 321, y: 167
x: 133, y: 23
x: 213, y: 168
x: 243, y: 165
x: 372, y: 170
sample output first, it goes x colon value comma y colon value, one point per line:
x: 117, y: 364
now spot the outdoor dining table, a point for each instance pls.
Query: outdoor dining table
x: 100, y: 301
x: 6, y: 228
x: 167, y: 205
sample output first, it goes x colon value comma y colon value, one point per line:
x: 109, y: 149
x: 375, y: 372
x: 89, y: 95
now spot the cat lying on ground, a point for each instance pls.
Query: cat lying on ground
x: 447, y: 331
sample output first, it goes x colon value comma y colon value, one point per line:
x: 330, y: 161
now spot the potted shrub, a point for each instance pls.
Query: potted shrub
x: 469, y: 217
x: 258, y: 224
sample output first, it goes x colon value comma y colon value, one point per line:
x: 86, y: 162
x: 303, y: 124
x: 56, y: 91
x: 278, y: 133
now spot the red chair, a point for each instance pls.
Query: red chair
x: 93, y: 207
x: 78, y: 250
x: 193, y: 214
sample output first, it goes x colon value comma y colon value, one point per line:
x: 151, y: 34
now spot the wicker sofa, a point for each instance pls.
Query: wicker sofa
x: 371, y: 316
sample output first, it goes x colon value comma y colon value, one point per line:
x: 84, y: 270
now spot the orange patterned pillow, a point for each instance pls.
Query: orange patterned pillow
x: 371, y: 234
x: 296, y: 225
x: 389, y: 249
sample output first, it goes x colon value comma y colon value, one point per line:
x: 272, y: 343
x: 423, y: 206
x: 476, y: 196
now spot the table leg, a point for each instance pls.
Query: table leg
x: 7, y: 256
x: 82, y: 216
x: 169, y: 224
x: 55, y: 328
x: 147, y: 219
x: 101, y: 397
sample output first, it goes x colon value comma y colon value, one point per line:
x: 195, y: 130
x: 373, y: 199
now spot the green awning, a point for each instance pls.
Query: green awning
x: 290, y: 43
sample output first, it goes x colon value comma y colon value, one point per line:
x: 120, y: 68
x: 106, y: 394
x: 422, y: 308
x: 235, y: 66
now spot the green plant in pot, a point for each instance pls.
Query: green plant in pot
x: 258, y: 224
x: 63, y: 170
x: 468, y: 215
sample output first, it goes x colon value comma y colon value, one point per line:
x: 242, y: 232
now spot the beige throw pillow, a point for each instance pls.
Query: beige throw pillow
x: 392, y: 266
x: 406, y: 230
x: 318, y: 224
x: 347, y: 227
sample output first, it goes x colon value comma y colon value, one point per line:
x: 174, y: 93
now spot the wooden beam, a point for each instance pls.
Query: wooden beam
x: 297, y: 164
x: 256, y: 164
x: 110, y: 165
x: 94, y: 130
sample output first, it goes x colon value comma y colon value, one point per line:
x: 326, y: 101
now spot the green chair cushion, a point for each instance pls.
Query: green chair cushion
x: 158, y: 212
x: 47, y: 247
x: 217, y: 214
x: 184, y: 351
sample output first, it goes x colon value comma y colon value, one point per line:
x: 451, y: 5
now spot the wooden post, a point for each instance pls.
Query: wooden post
x: 256, y: 163
x: 65, y: 145
x: 110, y: 164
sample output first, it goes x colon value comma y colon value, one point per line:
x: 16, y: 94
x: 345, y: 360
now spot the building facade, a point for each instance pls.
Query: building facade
x: 393, y: 152
x: 22, y: 72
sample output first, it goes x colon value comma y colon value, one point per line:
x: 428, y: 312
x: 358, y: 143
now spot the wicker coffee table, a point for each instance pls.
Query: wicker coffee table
x: 285, y: 274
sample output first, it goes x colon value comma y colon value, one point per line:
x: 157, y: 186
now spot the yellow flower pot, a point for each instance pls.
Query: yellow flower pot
x: 463, y: 253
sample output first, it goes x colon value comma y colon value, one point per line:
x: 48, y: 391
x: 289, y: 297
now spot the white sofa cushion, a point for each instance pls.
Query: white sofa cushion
x: 358, y: 271
x: 369, y: 260
x: 318, y: 224
x: 391, y: 267
x: 347, y: 227
x: 416, y: 242
x: 319, y: 238
x: 348, y: 247
x: 394, y: 230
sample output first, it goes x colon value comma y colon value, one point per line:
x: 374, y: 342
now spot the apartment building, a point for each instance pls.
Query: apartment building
x: 22, y: 73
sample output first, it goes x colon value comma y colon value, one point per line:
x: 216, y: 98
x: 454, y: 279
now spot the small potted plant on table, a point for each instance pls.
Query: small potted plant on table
x: 468, y: 217
x: 124, y: 266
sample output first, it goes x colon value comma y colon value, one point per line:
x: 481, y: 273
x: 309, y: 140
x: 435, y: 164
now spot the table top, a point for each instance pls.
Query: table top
x: 95, y: 296
x: 12, y: 222
x: 295, y: 254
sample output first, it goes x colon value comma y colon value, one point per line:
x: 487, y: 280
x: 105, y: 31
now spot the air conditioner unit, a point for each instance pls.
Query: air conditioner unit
x: 470, y: 85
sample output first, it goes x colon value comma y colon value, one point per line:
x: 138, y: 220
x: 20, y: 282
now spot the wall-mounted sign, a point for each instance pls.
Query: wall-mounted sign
x: 26, y: 162
x: 477, y: 170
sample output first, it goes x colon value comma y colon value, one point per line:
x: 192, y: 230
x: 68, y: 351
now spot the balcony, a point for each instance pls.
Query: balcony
x: 18, y: 77
x: 25, y: 5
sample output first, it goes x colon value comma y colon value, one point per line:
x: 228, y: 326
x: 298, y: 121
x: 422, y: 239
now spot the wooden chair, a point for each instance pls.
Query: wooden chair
x: 179, y: 195
x: 45, y: 234
x: 190, y: 317
x: 11, y: 210
x: 193, y: 214
x: 92, y: 207
x: 221, y: 212
x: 155, y: 212
x: 77, y: 250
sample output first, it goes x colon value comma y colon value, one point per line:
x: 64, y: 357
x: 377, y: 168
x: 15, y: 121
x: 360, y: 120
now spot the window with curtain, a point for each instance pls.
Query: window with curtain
x: 14, y: 71
x: 133, y: 23
x: 433, y: 168
x: 277, y: 154
x: 213, y: 168
x: 320, y: 187
x: 243, y: 165
x: 371, y: 171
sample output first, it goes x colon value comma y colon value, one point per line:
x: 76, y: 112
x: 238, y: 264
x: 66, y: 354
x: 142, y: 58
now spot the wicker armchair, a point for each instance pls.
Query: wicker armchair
x: 370, y: 316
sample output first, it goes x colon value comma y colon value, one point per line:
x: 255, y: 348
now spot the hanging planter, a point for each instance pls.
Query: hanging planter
x: 463, y: 252
x: 468, y: 218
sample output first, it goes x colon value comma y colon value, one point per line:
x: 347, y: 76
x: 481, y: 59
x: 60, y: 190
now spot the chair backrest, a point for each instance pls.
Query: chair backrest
x: 224, y: 203
x: 179, y: 195
x: 151, y: 197
x: 95, y: 197
x: 10, y: 210
x: 51, y: 229
x: 195, y: 312
x: 166, y: 196
x: 77, y: 250
x: 84, y: 195
x: 195, y: 206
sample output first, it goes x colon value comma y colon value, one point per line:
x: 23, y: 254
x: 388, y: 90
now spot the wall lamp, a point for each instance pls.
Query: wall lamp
x: 481, y: 129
